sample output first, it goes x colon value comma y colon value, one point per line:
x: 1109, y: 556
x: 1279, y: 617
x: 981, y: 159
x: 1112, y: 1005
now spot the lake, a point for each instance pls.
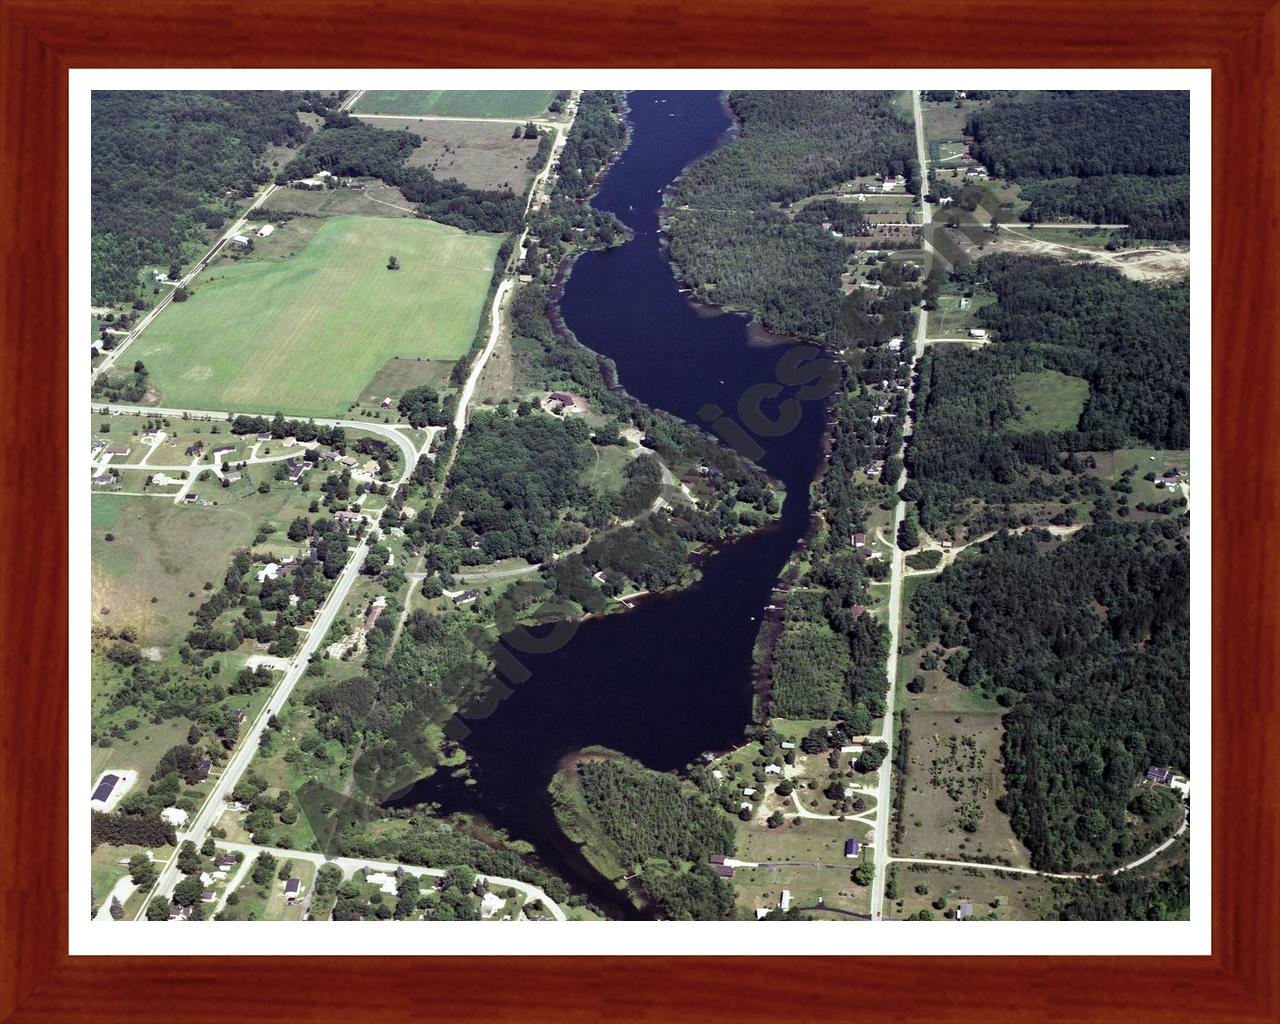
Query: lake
x: 671, y: 679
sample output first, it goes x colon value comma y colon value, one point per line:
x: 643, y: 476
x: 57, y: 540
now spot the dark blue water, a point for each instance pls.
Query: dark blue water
x: 671, y: 679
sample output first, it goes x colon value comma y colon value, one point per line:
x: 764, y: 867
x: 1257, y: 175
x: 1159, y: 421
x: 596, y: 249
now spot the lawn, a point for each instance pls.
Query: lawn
x: 304, y: 334
x: 1049, y: 400
x: 994, y: 895
x: 456, y: 103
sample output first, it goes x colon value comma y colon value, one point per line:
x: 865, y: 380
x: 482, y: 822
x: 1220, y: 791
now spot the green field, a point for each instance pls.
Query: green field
x: 1049, y: 400
x: 457, y: 103
x: 305, y: 333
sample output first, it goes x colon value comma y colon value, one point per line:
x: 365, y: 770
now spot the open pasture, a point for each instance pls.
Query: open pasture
x: 480, y: 155
x: 456, y: 103
x: 305, y: 333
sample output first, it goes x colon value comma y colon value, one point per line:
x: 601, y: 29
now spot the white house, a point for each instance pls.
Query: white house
x: 385, y: 882
x: 977, y: 332
x: 490, y: 905
x: 239, y: 241
x: 266, y: 230
x: 268, y: 572
x: 784, y: 902
x: 175, y: 816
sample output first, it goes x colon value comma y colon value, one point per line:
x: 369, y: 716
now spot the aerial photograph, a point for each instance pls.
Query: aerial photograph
x: 580, y: 505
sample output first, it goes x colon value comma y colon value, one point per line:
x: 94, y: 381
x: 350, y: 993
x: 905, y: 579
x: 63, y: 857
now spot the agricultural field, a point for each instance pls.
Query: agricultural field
x: 304, y: 334
x: 510, y: 103
x: 481, y: 156
x: 1049, y: 400
x: 996, y: 896
x: 395, y: 377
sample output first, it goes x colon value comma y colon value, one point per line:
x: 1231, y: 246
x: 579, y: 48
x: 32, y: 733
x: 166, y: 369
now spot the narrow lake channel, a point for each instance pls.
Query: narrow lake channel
x: 672, y: 678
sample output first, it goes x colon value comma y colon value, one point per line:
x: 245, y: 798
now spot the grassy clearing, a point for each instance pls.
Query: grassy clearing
x: 374, y: 200
x: 809, y: 887
x: 164, y: 551
x: 1008, y: 898
x: 396, y: 376
x: 1049, y: 400
x: 1111, y: 466
x: 482, y: 156
x: 949, y: 320
x: 252, y: 337
x: 455, y: 103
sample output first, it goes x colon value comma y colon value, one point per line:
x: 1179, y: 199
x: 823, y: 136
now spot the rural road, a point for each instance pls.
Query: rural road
x: 397, y: 437
x: 1186, y: 823
x: 880, y: 836
x: 349, y: 865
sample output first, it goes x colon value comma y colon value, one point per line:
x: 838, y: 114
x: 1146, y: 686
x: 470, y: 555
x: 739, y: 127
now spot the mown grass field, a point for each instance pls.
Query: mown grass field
x: 455, y: 103
x: 1049, y: 400
x: 305, y: 333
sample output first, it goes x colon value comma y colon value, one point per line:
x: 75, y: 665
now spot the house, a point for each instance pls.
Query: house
x: 762, y: 913
x: 203, y: 767
x: 964, y: 911
x: 977, y: 332
x: 857, y: 611
x: 222, y: 449
x: 289, y: 442
x: 895, y: 344
x: 386, y: 402
x: 196, y: 449
x: 226, y: 862
x: 860, y: 539
x: 852, y: 848
x: 240, y: 242
x: 715, y: 858
x: 357, y: 185
x: 465, y: 597
x: 268, y: 572
x: 328, y: 456
x: 375, y: 610
x: 180, y: 914
x: 266, y: 230
x: 717, y: 774
x: 296, y: 471
x: 208, y: 896
x: 786, y: 745
x: 175, y: 816
x: 103, y: 478
x: 232, y: 478
x: 117, y: 449
x: 724, y: 871
x: 890, y: 183
x: 385, y: 882
x: 784, y: 901
x: 292, y: 889
x: 241, y: 715
x: 265, y: 436
x: 773, y: 769
x: 749, y: 791
x: 105, y: 785
x: 490, y: 904
x: 348, y: 518
x: 1160, y: 776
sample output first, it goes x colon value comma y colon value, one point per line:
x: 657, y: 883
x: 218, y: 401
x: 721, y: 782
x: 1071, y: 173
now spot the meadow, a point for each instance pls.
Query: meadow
x: 1049, y: 400
x: 455, y: 103
x: 303, y: 334
x: 480, y: 155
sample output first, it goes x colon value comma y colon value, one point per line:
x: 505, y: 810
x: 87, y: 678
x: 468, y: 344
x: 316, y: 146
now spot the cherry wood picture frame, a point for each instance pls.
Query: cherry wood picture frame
x: 41, y: 39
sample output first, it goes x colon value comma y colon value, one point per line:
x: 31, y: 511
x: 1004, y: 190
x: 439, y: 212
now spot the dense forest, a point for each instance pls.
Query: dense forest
x: 734, y: 248
x: 1152, y: 207
x: 167, y: 164
x: 1087, y: 641
x: 349, y: 146
x: 1124, y: 156
x: 1084, y: 134
x: 666, y: 830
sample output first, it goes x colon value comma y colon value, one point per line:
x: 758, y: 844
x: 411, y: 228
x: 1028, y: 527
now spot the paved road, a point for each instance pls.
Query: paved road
x: 397, y: 437
x: 349, y: 865
x: 114, y: 355
x: 880, y: 838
